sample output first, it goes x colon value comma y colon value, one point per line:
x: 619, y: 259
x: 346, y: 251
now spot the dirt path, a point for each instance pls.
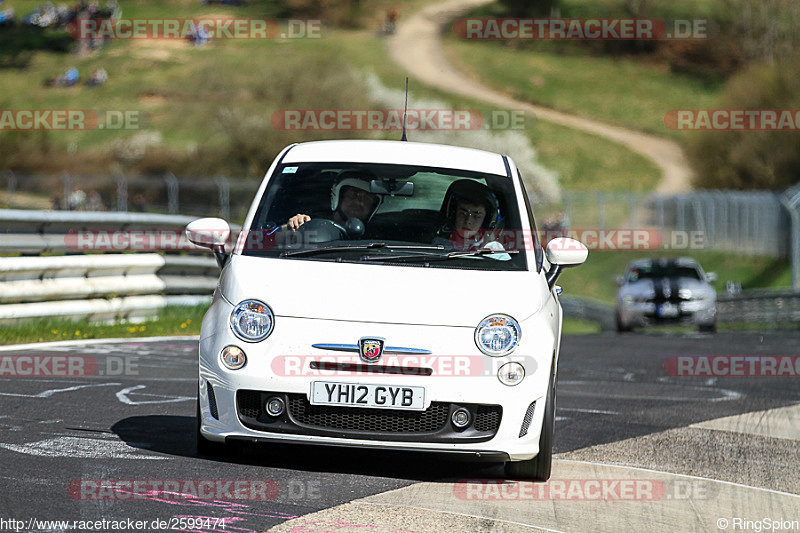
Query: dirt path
x: 417, y: 47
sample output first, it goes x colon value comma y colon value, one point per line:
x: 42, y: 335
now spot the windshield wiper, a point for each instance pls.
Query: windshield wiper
x: 437, y: 257
x: 357, y: 247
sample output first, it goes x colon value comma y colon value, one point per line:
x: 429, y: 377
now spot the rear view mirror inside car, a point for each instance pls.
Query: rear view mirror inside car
x: 392, y: 187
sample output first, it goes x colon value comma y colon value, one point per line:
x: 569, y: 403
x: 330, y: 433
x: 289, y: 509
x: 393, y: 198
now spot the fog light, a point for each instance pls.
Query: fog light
x: 460, y: 418
x: 233, y: 357
x: 275, y: 406
x: 511, y: 374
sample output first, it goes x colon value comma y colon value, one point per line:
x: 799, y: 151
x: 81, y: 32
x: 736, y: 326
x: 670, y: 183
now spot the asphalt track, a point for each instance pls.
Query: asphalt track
x: 696, y: 450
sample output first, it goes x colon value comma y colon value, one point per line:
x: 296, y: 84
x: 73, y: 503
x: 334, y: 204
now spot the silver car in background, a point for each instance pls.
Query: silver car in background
x: 666, y: 291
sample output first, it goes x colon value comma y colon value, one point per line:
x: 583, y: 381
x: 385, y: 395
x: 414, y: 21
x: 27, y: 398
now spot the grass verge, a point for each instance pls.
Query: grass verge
x: 170, y: 321
x: 634, y: 91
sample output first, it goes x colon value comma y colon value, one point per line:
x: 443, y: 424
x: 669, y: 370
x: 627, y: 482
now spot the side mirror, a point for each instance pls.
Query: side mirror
x: 562, y: 253
x: 711, y: 277
x: 210, y: 233
x: 619, y: 280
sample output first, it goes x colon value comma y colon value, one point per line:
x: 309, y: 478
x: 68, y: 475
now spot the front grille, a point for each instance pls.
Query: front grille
x: 431, y: 425
x: 526, y: 422
x: 249, y: 403
x: 212, y: 401
x: 488, y: 417
x: 372, y: 420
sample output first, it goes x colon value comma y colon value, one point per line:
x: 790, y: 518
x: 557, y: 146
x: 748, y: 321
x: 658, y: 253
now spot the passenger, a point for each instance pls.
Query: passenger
x: 471, y: 213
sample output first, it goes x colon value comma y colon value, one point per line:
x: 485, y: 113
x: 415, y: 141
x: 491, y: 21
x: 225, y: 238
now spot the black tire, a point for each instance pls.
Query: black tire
x: 539, y: 467
x: 621, y: 328
x: 708, y: 328
x: 203, y: 446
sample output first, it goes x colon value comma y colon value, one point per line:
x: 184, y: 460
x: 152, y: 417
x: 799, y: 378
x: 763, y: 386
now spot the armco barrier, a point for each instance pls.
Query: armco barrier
x: 588, y: 309
x: 766, y: 307
x: 100, y: 287
x: 37, y: 232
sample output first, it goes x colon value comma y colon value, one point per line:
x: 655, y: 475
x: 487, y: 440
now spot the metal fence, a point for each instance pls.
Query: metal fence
x: 188, y: 195
x: 750, y: 223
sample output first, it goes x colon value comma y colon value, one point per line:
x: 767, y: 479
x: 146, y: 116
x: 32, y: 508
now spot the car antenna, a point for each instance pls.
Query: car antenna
x: 404, y: 138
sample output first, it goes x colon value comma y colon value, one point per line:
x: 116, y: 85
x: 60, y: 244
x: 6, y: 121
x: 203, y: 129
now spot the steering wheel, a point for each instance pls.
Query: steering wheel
x: 319, y: 230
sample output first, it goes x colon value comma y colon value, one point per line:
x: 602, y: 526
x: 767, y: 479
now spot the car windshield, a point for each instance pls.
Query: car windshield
x: 398, y: 214
x: 663, y: 271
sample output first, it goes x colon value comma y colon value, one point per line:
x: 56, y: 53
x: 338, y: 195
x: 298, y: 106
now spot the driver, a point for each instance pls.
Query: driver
x: 350, y: 198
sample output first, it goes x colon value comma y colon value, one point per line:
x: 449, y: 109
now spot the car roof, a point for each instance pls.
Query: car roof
x: 397, y: 152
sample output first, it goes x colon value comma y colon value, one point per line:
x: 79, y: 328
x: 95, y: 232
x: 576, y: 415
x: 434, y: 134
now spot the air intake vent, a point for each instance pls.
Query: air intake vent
x: 212, y: 401
x: 526, y: 422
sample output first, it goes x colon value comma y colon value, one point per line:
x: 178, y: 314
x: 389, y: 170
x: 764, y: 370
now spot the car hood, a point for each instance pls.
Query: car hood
x: 663, y: 287
x: 395, y: 294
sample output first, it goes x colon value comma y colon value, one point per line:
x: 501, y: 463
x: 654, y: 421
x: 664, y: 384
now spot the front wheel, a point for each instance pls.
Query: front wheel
x: 539, y: 467
x: 708, y: 328
x: 621, y: 327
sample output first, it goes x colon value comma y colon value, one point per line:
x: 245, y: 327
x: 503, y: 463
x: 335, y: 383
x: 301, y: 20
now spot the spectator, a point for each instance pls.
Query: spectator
x: 7, y: 17
x: 95, y: 202
x: 69, y: 78
x: 98, y: 77
x: 139, y: 203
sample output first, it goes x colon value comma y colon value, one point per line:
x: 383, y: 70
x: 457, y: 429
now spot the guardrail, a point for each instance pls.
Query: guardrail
x: 38, y: 232
x: 589, y: 309
x: 101, y: 287
x: 774, y: 307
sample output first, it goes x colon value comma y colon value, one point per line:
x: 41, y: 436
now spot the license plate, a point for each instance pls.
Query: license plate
x: 667, y: 310
x: 371, y: 395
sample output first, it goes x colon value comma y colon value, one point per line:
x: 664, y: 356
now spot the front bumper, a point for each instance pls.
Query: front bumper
x: 694, y: 312
x: 481, y: 393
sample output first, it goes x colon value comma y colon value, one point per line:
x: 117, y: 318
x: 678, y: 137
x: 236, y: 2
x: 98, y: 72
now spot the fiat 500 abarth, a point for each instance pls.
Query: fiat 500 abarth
x: 385, y: 294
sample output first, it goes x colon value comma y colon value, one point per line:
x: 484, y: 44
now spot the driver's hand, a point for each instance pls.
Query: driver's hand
x: 297, y: 221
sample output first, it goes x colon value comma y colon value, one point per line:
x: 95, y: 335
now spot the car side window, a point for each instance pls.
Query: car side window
x: 537, y: 246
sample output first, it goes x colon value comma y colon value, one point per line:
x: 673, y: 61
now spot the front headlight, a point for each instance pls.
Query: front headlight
x: 252, y: 321
x: 497, y: 335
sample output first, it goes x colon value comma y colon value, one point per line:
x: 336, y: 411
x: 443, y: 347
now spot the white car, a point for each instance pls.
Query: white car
x: 666, y: 291
x: 385, y: 294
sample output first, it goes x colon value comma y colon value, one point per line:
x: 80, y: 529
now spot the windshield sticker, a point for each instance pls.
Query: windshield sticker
x: 289, y: 170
